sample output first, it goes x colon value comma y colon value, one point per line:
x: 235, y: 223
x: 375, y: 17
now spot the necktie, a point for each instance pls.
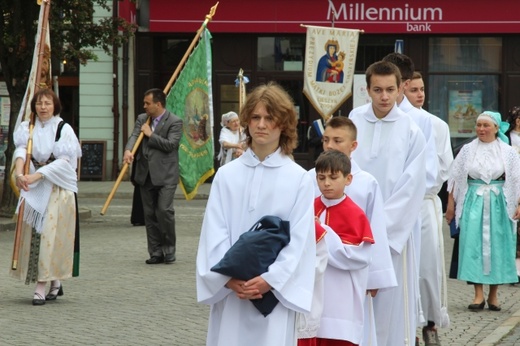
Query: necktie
x: 154, y: 124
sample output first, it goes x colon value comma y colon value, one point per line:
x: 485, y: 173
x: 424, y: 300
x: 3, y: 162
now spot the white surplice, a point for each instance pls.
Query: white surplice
x: 392, y: 149
x: 365, y: 192
x: 432, y: 277
x: 308, y: 323
x: 242, y: 192
x: 424, y: 122
x: 345, y: 279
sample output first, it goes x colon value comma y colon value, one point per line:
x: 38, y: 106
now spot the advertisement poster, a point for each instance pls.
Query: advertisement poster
x: 464, y: 107
x: 5, y: 110
x: 360, y: 90
x: 5, y: 105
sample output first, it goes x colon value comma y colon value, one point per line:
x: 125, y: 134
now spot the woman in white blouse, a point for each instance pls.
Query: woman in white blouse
x: 232, y: 138
x: 49, y: 247
x: 484, y: 198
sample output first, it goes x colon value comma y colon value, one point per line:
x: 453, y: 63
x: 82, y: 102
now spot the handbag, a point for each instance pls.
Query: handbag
x: 454, y: 230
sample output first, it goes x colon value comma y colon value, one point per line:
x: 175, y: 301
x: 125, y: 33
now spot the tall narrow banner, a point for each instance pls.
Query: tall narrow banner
x: 330, y: 61
x: 190, y: 98
x: 45, y: 60
x: 45, y: 80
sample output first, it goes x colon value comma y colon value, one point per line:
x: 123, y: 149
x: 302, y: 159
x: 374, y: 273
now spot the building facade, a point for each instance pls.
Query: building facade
x: 467, y: 51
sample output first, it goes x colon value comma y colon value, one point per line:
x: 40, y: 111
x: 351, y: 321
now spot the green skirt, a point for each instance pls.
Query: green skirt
x: 487, y: 245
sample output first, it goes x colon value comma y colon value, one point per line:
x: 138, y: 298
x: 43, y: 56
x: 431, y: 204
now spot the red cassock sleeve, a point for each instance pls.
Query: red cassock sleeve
x: 347, y: 220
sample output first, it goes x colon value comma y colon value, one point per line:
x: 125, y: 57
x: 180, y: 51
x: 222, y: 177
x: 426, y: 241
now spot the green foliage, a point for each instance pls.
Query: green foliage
x: 74, y: 33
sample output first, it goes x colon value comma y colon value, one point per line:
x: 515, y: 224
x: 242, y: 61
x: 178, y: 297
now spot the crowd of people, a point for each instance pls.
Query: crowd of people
x: 378, y: 272
x: 363, y: 263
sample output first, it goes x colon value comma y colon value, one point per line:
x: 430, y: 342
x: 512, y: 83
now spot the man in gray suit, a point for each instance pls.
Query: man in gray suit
x: 157, y: 173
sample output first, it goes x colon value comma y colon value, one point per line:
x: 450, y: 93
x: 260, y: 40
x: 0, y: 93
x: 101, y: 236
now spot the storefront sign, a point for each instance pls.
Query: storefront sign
x: 372, y: 16
x: 127, y: 10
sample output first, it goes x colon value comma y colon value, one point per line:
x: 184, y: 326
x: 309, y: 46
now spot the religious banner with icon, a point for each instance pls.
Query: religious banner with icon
x: 330, y: 61
x: 191, y: 99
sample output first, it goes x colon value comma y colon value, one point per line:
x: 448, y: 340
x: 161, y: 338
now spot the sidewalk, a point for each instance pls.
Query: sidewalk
x: 102, y: 189
x: 489, y: 328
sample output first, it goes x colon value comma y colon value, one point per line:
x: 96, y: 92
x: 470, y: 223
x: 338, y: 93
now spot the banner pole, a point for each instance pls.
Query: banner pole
x: 166, y: 89
x: 27, y: 164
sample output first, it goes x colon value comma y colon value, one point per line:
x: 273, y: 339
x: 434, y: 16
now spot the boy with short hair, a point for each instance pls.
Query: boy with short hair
x: 341, y: 134
x: 349, y: 243
x: 392, y: 149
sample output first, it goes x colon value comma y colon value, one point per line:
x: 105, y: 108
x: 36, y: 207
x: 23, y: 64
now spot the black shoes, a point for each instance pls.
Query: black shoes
x: 54, y: 292
x: 155, y: 260
x: 477, y: 306
x: 169, y: 259
x: 38, y: 301
x: 493, y: 307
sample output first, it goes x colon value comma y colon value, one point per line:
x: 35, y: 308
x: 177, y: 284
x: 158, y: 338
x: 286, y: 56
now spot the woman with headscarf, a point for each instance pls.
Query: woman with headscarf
x: 232, y: 138
x: 484, y: 199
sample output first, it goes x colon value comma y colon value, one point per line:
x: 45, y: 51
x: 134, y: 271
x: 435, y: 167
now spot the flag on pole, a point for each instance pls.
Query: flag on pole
x: 45, y: 60
x: 241, y: 82
x: 330, y: 61
x: 190, y: 98
x: 45, y: 80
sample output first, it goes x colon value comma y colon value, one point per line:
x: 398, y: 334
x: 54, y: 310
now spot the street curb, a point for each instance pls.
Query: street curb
x: 9, y: 224
x: 130, y: 195
x: 502, y: 330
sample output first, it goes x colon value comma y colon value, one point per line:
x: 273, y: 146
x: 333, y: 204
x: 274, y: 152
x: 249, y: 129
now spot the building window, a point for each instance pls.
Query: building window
x: 280, y: 53
x: 171, y: 53
x: 229, y: 99
x: 459, y: 99
x: 294, y: 87
x: 464, y: 77
x: 372, y: 49
x: 465, y: 54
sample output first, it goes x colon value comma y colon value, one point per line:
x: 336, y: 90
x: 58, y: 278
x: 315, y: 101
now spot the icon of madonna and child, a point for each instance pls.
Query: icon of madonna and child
x: 330, y: 65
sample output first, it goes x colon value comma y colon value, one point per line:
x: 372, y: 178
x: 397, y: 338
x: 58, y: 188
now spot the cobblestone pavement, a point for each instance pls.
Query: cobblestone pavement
x: 119, y: 300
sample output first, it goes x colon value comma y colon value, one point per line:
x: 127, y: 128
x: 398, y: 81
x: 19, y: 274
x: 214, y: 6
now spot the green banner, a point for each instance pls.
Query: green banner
x: 190, y: 98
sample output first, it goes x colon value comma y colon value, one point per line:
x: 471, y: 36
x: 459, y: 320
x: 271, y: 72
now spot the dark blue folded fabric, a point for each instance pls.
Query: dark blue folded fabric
x: 454, y: 230
x: 253, y: 252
